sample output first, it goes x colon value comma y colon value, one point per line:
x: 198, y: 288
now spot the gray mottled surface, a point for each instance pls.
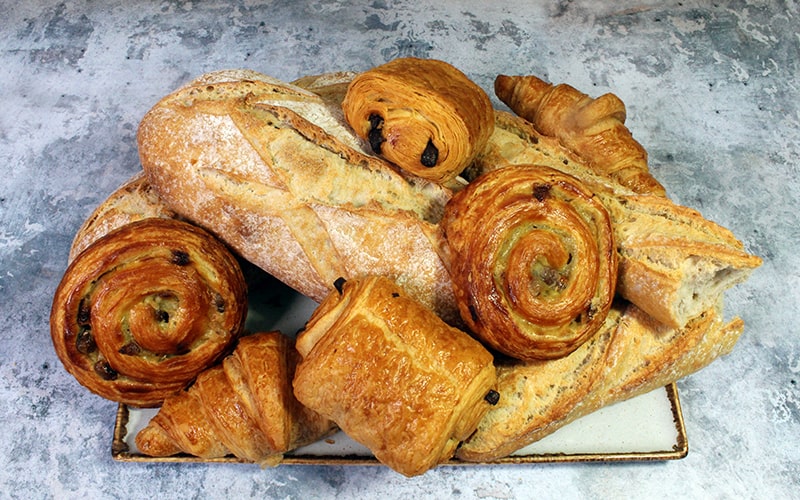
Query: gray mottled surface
x: 711, y: 90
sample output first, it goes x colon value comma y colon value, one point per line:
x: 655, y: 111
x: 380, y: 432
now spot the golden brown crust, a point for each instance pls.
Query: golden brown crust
x: 392, y: 375
x: 423, y: 115
x: 535, y: 394
x: 243, y: 407
x: 534, y: 263
x: 642, y: 355
x: 251, y: 167
x: 673, y: 263
x: 145, y: 308
x: 593, y: 128
x: 134, y: 200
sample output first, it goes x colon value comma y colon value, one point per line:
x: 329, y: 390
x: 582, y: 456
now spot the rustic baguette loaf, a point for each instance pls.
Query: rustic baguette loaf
x: 632, y: 355
x: 247, y: 157
x: 134, y: 200
x: 674, y: 263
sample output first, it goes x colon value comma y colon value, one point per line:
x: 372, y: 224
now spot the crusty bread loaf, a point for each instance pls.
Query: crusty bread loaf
x: 249, y: 160
x: 639, y: 355
x: 135, y: 200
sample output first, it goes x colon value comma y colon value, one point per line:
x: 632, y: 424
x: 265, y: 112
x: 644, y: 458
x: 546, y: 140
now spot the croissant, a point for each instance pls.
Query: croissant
x: 673, y: 263
x: 593, y: 128
x: 534, y: 263
x: 423, y: 115
x: 242, y: 407
x: 145, y: 308
x: 392, y: 375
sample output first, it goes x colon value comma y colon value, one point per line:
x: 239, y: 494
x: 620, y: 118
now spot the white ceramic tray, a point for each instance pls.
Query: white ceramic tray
x: 648, y: 427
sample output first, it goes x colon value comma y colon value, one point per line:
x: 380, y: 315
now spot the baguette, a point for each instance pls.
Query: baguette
x: 133, y: 201
x: 273, y: 170
x: 640, y: 355
x: 242, y: 158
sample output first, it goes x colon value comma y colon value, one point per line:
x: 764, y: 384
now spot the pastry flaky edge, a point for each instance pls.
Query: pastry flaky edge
x: 592, y: 127
x: 393, y: 375
x: 243, y: 407
x: 269, y: 169
x: 134, y: 200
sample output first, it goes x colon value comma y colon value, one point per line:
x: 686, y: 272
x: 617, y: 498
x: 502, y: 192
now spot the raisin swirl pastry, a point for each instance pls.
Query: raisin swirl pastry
x: 145, y: 308
x: 534, y: 263
x: 423, y: 115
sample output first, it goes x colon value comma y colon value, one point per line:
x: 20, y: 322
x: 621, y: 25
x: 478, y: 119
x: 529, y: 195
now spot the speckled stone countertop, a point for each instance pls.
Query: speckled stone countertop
x: 711, y: 91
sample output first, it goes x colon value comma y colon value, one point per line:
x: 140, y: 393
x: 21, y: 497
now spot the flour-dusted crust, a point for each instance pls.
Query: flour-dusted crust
x: 266, y: 167
x: 134, y: 200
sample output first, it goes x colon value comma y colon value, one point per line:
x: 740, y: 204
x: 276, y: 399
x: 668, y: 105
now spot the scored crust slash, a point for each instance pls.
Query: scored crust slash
x: 483, y: 277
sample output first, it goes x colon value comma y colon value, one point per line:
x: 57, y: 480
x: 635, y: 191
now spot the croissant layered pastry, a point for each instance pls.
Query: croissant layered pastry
x: 142, y: 310
x: 242, y: 407
x: 534, y: 264
x: 423, y: 115
x: 593, y: 128
x: 393, y: 375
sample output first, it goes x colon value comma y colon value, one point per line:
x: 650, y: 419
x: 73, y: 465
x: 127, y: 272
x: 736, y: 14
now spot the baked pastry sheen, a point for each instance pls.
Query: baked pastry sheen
x: 145, y: 308
x: 423, y: 115
x: 534, y: 265
x: 593, y: 128
x: 392, y: 375
x: 242, y: 407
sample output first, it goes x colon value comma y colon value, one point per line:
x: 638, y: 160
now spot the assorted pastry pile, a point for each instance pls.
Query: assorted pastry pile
x: 484, y: 277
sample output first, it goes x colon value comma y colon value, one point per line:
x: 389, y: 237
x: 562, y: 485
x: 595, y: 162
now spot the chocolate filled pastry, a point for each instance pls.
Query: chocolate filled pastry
x: 242, y: 407
x: 392, y: 375
x: 593, y: 128
x: 534, y: 263
x: 141, y: 311
x: 423, y: 115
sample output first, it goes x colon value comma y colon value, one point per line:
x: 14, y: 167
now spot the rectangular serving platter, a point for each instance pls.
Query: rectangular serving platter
x: 646, y: 428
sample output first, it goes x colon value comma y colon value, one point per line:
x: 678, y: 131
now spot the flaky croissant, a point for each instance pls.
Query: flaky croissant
x: 593, y: 128
x: 243, y: 407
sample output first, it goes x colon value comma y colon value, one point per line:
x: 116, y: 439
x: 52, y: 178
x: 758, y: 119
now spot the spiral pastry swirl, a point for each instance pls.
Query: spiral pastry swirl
x: 423, y: 115
x: 144, y: 309
x: 534, y: 263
